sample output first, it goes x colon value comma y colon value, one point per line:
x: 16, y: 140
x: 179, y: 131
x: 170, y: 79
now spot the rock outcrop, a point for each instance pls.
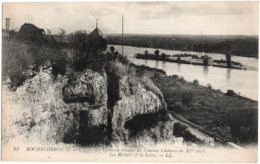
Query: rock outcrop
x: 142, y: 102
x: 90, y: 92
x: 78, y: 112
x: 90, y: 88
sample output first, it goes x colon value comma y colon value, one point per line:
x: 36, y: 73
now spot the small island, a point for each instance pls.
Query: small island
x: 186, y: 58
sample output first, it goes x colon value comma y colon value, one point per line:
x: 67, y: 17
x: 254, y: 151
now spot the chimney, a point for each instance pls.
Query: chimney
x: 7, y: 24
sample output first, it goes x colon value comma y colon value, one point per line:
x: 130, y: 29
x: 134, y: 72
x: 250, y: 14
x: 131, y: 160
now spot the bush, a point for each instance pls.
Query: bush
x: 163, y: 56
x: 157, y: 54
x: 209, y: 86
x: 182, y: 79
x: 175, y: 76
x: 133, y: 79
x: 156, y: 75
x: 182, y: 130
x: 230, y: 92
x: 196, y: 82
x: 187, y: 97
x: 178, y: 107
x: 78, y: 40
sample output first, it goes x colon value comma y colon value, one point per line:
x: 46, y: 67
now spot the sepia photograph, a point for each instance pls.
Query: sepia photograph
x: 129, y: 81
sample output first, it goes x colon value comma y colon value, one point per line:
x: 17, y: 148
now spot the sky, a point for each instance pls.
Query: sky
x: 206, y: 18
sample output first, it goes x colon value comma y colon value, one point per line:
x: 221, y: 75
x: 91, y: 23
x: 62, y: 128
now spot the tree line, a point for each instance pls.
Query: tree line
x: 239, y: 46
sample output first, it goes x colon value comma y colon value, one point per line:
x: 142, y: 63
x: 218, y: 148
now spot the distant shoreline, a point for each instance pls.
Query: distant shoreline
x: 239, y: 45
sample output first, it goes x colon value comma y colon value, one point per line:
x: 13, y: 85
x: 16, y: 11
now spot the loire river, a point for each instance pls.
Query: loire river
x: 244, y: 82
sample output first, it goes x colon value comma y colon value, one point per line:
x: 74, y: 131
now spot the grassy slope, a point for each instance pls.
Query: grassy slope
x: 232, y: 118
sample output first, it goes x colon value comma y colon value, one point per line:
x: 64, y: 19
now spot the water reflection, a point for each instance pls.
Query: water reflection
x: 156, y: 64
x: 228, y: 76
x: 205, y: 70
x: 179, y: 67
x: 163, y: 64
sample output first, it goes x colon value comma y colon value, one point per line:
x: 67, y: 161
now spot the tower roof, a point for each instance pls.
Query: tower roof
x: 96, y: 33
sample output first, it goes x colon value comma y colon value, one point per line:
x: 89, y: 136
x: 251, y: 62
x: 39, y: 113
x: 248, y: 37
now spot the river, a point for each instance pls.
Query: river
x: 244, y: 82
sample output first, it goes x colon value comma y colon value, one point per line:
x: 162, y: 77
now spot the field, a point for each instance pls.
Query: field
x: 237, y: 45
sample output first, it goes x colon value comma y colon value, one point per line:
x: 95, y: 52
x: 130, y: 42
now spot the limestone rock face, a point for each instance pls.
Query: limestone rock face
x: 89, y: 93
x: 90, y: 87
x: 124, y: 89
x: 142, y: 102
x: 78, y: 112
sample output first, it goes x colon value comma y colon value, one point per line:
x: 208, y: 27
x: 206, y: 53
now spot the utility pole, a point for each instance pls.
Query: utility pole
x: 7, y: 24
x: 123, y: 35
x: 96, y: 23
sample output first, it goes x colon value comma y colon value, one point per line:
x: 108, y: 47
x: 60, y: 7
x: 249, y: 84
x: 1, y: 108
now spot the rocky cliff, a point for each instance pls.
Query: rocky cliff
x: 78, y: 112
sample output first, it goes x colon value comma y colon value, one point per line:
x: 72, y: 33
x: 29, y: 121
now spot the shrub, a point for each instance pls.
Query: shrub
x: 133, y: 79
x: 157, y: 54
x: 209, y: 86
x: 116, y: 69
x: 175, y: 76
x: 187, y: 97
x: 230, y: 92
x: 78, y: 40
x: 163, y: 56
x: 156, y: 75
x: 179, y: 129
x: 196, y: 82
x: 182, y: 130
x: 179, y: 59
x: 182, y: 79
x: 112, y: 49
x: 178, y: 107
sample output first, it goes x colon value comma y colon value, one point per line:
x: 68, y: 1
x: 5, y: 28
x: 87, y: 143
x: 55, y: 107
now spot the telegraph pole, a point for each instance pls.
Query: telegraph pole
x: 123, y: 35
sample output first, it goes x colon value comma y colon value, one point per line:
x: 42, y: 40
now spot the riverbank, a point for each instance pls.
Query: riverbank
x: 227, y: 116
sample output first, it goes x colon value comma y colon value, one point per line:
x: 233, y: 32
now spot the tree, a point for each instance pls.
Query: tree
x: 31, y: 33
x: 112, y: 49
x: 228, y: 51
x: 62, y: 31
x: 228, y: 58
x: 179, y: 59
x: 156, y: 53
x: 78, y: 40
x: 206, y: 60
x: 146, y: 53
x: 163, y: 56
x: 48, y: 31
